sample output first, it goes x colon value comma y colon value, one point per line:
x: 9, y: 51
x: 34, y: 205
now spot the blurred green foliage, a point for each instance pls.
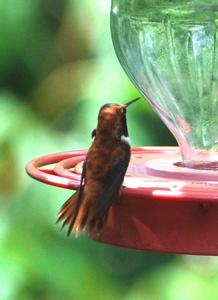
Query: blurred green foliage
x: 58, y: 67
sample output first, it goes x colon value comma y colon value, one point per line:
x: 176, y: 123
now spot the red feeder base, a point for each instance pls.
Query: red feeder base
x: 176, y: 212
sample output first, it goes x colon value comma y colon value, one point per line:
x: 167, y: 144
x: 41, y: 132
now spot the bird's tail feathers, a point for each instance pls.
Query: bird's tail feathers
x: 79, y: 216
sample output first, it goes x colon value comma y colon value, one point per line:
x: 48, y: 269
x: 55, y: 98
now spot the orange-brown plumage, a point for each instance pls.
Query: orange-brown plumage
x: 103, y: 172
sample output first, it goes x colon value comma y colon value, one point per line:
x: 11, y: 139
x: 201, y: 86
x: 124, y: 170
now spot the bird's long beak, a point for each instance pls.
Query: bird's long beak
x: 130, y: 102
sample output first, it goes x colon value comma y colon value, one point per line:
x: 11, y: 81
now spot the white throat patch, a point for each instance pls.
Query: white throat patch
x: 126, y: 139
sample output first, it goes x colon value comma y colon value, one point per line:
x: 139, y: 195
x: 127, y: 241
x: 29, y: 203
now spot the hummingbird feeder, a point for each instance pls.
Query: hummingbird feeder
x: 169, y: 201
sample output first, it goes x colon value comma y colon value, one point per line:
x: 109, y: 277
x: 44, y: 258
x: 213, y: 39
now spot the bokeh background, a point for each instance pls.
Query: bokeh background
x: 57, y: 68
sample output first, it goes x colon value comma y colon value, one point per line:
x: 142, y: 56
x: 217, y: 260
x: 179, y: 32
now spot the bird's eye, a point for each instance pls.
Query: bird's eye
x: 123, y: 110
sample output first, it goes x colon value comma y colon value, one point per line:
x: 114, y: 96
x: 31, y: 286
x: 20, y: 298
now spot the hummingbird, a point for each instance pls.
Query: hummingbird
x: 102, y: 175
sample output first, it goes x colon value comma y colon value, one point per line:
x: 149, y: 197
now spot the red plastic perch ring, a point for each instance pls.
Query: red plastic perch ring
x: 174, y: 212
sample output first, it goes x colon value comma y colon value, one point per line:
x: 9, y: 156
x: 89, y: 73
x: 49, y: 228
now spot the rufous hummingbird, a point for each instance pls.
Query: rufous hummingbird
x: 102, y: 174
